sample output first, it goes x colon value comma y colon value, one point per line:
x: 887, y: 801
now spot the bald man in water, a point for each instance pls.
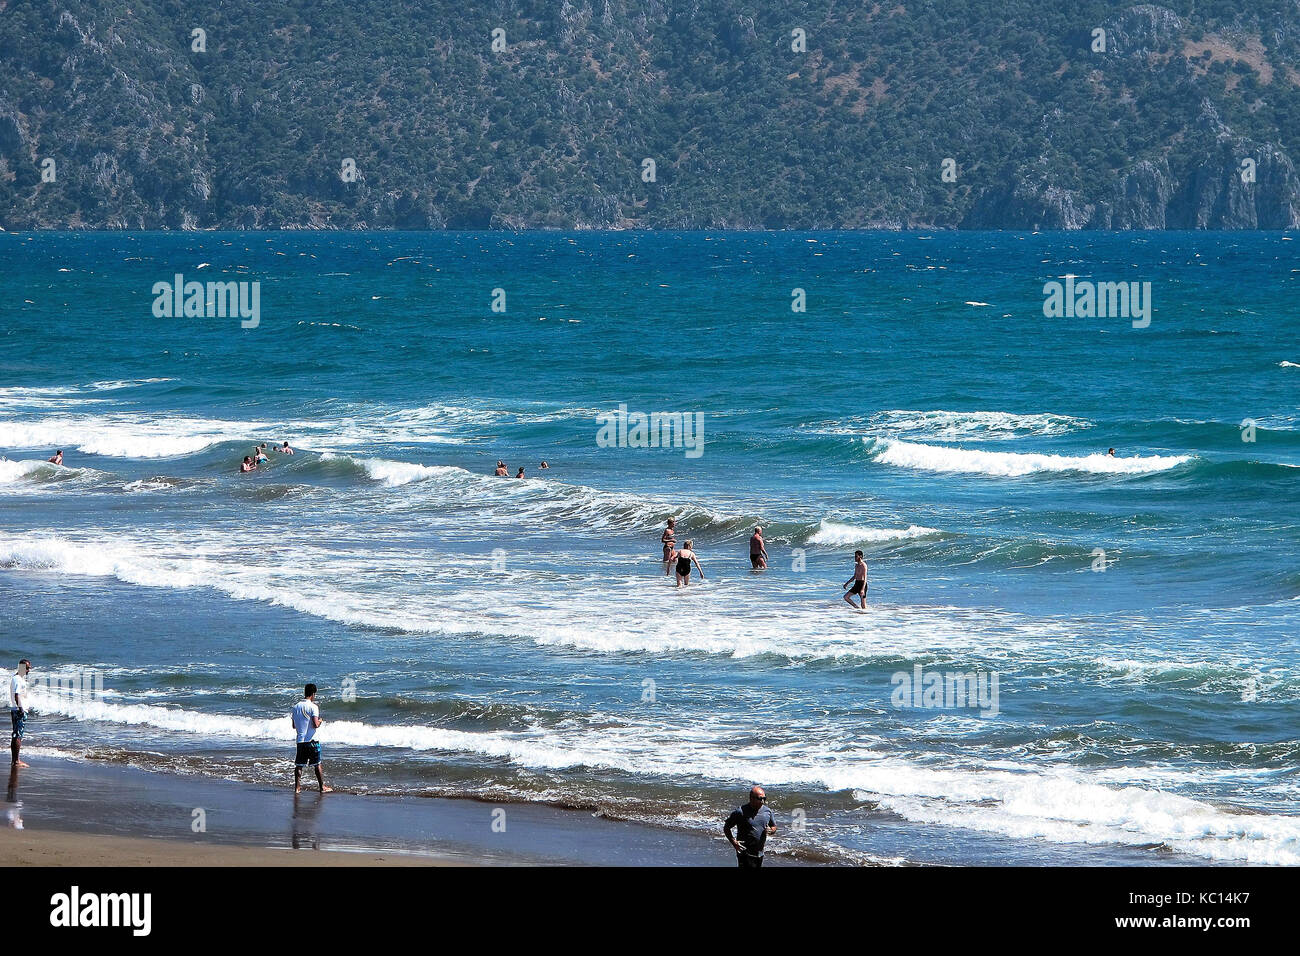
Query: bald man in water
x: 754, y: 823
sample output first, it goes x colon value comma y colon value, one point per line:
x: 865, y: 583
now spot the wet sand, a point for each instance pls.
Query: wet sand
x: 61, y: 848
x: 62, y: 811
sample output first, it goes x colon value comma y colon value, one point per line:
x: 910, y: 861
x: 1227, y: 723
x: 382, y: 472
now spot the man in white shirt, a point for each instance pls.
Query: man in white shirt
x: 18, y: 708
x: 306, y: 718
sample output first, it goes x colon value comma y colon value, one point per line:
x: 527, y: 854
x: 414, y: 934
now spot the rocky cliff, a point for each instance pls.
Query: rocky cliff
x: 613, y: 113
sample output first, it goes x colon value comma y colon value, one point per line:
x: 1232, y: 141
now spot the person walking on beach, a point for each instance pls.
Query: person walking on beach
x: 757, y: 551
x: 669, y: 538
x: 18, y: 709
x: 753, y: 822
x: 306, y: 718
x: 58, y: 458
x: 684, y: 558
x: 859, y: 581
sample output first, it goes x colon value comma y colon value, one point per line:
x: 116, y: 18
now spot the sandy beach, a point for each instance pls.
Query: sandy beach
x: 79, y: 812
x: 63, y: 848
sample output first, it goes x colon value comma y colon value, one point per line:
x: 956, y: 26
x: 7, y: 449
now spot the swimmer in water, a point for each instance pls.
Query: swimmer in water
x: 521, y: 473
x: 669, y: 538
x: 58, y: 458
x: 248, y: 464
x: 543, y: 466
x: 757, y: 551
x: 684, y: 558
x: 859, y: 581
x: 285, y: 449
x: 501, y: 470
x: 1111, y: 453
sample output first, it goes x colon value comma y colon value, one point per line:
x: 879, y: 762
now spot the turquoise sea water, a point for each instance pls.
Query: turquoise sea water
x: 517, y: 640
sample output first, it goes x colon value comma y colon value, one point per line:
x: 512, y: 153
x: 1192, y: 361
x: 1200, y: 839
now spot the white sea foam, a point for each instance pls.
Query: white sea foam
x: 396, y: 473
x: 126, y: 436
x: 41, y: 391
x: 338, y: 426
x: 120, y: 434
x: 537, y: 500
x: 903, y: 454
x: 150, y: 484
x: 836, y: 533
x: 360, y: 586
x: 1289, y: 364
x: 11, y: 471
x: 942, y: 425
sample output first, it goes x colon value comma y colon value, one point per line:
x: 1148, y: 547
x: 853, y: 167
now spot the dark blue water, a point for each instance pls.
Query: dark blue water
x: 517, y: 640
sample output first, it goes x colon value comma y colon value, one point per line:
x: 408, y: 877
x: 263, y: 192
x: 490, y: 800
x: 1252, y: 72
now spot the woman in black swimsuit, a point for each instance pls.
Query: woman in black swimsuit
x: 684, y: 559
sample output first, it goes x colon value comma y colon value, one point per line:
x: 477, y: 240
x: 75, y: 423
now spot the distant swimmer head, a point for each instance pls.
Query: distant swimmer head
x: 1111, y: 452
x: 309, y: 691
x: 521, y: 473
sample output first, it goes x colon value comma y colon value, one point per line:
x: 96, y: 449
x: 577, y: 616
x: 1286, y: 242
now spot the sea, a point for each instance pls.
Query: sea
x: 1067, y: 657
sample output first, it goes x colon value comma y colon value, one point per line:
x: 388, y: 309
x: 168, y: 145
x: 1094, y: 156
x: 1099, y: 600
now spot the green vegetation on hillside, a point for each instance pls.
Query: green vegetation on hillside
x: 744, y: 131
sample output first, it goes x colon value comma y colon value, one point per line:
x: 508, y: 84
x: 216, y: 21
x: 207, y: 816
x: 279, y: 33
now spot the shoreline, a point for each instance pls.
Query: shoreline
x: 66, y: 812
x: 58, y: 848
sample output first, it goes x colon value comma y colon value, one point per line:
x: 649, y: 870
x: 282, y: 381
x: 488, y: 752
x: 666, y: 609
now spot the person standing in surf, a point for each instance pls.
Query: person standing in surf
x: 757, y: 551
x: 306, y: 720
x: 18, y: 709
x: 684, y: 558
x: 669, y: 538
x: 501, y: 470
x: 859, y: 581
x: 753, y: 822
x: 57, y: 459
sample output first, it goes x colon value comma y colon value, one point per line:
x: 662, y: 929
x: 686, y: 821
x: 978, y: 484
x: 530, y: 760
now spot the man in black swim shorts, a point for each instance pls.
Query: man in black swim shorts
x: 859, y: 581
